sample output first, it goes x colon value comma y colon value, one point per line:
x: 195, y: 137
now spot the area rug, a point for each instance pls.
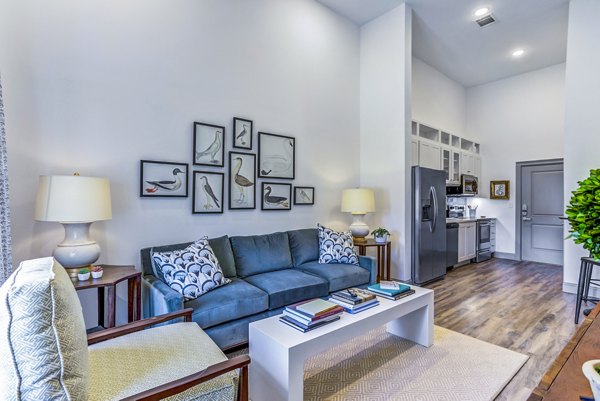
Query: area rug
x: 381, y: 366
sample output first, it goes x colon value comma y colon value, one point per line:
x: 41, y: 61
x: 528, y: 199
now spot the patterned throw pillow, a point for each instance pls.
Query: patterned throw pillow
x: 335, y: 247
x: 192, y: 271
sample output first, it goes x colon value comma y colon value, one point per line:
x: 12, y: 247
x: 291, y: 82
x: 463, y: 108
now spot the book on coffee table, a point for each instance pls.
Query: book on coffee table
x: 398, y: 296
x: 307, y: 327
x: 353, y: 295
x: 355, y: 308
x: 376, y: 288
x: 315, y: 307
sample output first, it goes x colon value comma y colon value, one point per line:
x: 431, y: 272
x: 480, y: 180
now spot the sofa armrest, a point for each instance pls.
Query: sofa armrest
x: 160, y: 299
x: 369, y: 263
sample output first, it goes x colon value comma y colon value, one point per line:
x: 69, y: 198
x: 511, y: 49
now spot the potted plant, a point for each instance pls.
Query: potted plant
x: 591, y: 370
x: 583, y: 214
x: 97, y: 272
x: 83, y: 274
x: 380, y: 235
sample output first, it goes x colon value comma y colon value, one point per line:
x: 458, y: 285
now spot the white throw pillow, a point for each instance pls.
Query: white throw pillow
x: 192, y: 271
x: 336, y: 247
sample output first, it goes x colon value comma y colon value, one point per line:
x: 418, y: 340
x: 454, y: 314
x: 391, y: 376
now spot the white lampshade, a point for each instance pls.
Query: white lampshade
x: 358, y: 201
x: 73, y: 199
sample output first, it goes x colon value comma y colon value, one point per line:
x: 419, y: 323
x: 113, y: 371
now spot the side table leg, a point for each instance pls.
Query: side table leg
x: 138, y: 298
x: 130, y: 299
x: 111, y: 305
x: 388, y: 258
x: 380, y: 270
x: 101, y: 306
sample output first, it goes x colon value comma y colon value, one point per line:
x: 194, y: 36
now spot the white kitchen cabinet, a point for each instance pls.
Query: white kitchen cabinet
x: 477, y: 166
x: 455, y: 167
x: 414, y: 148
x: 430, y: 155
x: 467, y: 163
x: 447, y: 162
x: 467, y: 241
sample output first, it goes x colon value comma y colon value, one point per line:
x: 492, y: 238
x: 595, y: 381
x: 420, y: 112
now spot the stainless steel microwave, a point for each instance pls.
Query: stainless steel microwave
x: 468, y: 186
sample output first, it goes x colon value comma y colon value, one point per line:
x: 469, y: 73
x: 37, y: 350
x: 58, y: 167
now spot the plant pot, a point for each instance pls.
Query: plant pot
x: 97, y: 274
x: 83, y: 277
x: 381, y: 239
x: 590, y: 373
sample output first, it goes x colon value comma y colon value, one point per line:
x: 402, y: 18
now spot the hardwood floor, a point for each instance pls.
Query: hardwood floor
x: 516, y: 305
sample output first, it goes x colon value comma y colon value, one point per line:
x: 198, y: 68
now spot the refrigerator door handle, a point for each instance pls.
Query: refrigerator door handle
x: 433, y: 196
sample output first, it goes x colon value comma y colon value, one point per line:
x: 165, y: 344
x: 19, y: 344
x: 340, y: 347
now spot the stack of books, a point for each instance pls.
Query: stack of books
x: 391, y: 290
x: 308, y: 315
x: 354, y: 300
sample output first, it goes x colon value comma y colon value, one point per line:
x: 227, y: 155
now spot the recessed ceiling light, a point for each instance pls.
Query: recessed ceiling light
x: 481, y: 11
x: 518, y: 53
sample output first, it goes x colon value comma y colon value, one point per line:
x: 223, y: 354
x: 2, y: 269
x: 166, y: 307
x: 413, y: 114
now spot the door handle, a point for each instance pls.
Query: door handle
x: 526, y: 218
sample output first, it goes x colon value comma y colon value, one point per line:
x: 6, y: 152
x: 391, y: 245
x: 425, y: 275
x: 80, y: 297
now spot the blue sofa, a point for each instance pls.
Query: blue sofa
x: 267, y: 273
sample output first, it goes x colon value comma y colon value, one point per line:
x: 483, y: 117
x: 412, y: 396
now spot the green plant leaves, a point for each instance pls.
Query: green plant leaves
x: 583, y: 214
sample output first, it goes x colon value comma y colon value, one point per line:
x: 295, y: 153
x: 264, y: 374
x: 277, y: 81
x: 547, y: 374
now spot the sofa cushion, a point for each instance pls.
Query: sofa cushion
x: 304, y: 245
x: 339, y: 275
x: 261, y: 253
x: 233, y: 301
x: 127, y: 365
x: 43, y: 345
x: 221, y: 247
x: 336, y: 247
x: 288, y: 286
x: 192, y: 271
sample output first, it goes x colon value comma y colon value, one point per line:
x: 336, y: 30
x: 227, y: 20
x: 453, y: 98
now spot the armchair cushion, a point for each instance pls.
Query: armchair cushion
x: 43, y: 345
x: 339, y: 275
x: 192, y: 271
x: 127, y: 365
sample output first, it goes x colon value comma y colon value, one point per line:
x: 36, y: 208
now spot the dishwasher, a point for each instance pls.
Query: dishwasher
x: 451, y: 244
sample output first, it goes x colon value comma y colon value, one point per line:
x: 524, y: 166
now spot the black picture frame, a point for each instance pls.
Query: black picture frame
x: 242, y: 196
x: 211, y: 192
x: 243, y: 129
x: 274, y: 156
x: 275, y: 190
x: 156, y: 177
x: 304, y: 196
x: 209, y: 145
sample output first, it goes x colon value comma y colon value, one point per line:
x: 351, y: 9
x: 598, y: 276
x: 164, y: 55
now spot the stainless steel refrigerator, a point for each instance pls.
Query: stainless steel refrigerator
x: 428, y: 224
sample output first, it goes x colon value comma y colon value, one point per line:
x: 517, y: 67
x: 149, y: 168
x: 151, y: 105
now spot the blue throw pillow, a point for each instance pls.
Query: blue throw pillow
x: 336, y: 247
x: 192, y: 271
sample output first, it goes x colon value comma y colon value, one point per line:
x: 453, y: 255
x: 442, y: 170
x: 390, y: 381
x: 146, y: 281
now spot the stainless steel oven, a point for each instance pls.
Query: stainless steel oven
x: 485, y: 239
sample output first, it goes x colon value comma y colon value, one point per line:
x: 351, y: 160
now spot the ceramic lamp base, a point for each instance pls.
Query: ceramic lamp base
x: 77, y: 250
x: 359, y: 229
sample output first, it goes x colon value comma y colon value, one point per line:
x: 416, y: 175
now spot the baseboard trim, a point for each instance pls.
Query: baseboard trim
x: 571, y: 288
x: 506, y: 255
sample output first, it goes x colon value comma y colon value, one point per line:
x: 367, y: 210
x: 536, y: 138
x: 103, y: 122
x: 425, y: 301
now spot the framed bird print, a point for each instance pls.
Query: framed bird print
x: 276, y: 156
x: 163, y: 179
x: 242, y: 180
x: 304, y: 195
x: 209, y: 145
x: 242, y: 133
x: 207, y: 192
x: 276, y: 196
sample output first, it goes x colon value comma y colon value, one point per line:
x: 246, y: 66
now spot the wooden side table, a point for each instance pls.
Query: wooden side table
x: 112, y: 276
x: 384, y: 251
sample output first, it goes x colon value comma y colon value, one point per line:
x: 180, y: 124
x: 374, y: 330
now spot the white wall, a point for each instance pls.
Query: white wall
x: 385, y: 84
x: 96, y: 86
x: 516, y: 119
x: 581, y: 139
x: 437, y: 100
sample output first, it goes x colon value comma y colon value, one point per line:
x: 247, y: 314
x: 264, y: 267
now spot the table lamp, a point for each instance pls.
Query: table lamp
x: 76, y: 202
x: 358, y: 201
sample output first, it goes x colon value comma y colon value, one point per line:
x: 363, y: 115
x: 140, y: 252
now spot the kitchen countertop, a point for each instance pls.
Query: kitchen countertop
x: 467, y: 220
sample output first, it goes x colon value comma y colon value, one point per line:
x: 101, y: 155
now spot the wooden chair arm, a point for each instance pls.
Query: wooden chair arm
x: 138, y: 325
x: 179, y: 385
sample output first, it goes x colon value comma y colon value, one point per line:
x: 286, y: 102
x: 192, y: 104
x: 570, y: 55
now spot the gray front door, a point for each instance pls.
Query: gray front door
x: 542, y: 236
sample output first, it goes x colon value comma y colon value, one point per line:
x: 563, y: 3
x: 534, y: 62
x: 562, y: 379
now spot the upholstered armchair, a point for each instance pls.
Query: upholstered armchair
x: 46, y: 354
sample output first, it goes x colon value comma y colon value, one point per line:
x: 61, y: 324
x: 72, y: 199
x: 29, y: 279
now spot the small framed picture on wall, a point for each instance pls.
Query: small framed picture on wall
x: 276, y: 196
x: 276, y: 156
x: 163, y: 179
x: 209, y: 145
x: 500, y: 189
x: 304, y: 195
x: 207, y: 192
x: 242, y: 133
x: 242, y: 180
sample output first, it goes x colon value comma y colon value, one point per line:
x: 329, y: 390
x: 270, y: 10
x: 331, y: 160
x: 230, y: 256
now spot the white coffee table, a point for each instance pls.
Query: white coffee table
x: 278, y: 352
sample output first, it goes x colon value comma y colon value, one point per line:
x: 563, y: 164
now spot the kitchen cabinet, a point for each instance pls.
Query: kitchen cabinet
x: 468, y: 163
x: 447, y: 162
x: 467, y: 241
x: 477, y: 166
x: 455, y: 172
x: 414, y: 149
x: 430, y: 155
